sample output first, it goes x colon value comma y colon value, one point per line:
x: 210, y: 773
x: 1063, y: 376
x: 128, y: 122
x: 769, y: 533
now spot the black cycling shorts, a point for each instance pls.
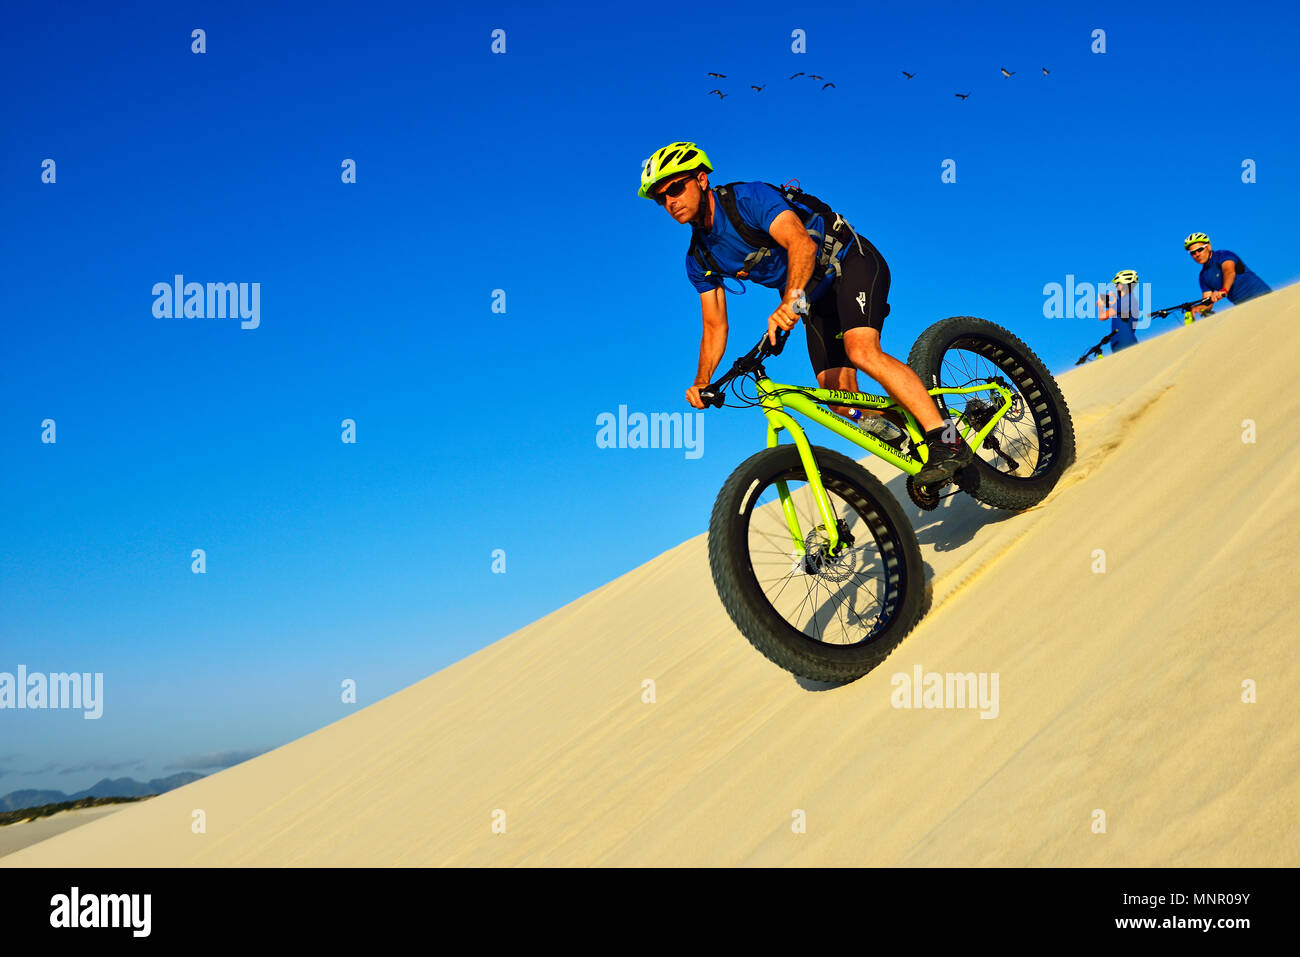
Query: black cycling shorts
x: 858, y: 298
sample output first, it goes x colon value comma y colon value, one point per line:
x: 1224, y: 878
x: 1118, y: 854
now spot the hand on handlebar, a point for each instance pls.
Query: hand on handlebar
x: 714, y: 393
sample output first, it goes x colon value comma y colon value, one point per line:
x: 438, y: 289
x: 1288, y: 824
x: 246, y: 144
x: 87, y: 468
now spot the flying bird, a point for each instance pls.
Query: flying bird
x: 720, y: 76
x: 757, y: 89
x: 721, y: 95
x: 814, y: 76
x: 1005, y: 73
x: 800, y: 73
x: 962, y: 95
x: 908, y: 75
x: 828, y: 84
x: 1044, y: 71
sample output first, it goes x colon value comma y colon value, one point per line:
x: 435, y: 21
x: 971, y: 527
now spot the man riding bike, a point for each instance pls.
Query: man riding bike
x: 848, y: 276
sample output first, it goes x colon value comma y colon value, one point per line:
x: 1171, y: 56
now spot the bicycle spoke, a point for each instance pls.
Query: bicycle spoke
x: 836, y: 601
x: 1018, y: 440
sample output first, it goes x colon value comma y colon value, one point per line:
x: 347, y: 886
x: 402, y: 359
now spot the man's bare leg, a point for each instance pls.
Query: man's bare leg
x: 863, y: 348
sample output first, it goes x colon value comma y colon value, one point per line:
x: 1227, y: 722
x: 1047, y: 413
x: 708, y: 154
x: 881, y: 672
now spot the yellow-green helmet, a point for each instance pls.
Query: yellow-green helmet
x: 672, y: 160
x: 1125, y: 276
x: 1195, y: 239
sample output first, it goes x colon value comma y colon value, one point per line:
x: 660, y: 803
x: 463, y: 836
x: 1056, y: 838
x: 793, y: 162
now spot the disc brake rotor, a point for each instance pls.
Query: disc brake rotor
x: 817, y: 559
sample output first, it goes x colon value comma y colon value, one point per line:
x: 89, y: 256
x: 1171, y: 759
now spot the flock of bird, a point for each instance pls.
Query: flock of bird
x: 759, y: 89
x: 828, y: 85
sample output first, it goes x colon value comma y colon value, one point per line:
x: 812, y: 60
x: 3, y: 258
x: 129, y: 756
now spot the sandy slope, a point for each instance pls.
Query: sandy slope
x: 1118, y: 691
x: 25, y: 833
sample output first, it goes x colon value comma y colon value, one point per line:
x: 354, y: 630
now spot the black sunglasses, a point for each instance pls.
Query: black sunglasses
x: 1196, y: 250
x: 672, y: 189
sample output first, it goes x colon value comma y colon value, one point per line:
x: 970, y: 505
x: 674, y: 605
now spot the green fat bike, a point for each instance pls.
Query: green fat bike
x: 813, y: 558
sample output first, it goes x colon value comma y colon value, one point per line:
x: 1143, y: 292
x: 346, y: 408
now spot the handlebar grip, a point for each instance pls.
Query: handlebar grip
x: 709, y: 397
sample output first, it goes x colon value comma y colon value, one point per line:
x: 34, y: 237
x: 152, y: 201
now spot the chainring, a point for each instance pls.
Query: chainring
x: 923, y: 496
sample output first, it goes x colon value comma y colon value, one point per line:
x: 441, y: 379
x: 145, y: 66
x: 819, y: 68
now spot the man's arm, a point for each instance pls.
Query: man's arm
x: 1103, y: 308
x: 800, y: 250
x: 713, y: 341
x: 801, y: 257
x: 1229, y: 277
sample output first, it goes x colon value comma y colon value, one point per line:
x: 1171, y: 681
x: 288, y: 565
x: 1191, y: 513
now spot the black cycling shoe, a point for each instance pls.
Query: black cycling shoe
x: 946, y: 459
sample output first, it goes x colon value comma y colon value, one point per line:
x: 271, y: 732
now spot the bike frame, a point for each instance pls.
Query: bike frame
x: 778, y: 403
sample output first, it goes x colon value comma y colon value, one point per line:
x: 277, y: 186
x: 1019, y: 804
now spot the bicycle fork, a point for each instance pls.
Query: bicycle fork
x: 776, y: 421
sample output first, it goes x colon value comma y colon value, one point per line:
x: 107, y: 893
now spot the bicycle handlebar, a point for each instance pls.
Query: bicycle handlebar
x: 1095, y: 350
x: 714, y: 395
x: 1161, y: 313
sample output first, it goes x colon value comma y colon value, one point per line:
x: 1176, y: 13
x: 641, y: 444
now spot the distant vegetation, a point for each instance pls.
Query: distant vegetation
x: 32, y: 798
x: 45, y: 810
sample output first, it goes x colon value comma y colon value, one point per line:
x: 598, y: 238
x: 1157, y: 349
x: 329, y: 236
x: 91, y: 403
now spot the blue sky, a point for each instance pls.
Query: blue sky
x: 476, y: 430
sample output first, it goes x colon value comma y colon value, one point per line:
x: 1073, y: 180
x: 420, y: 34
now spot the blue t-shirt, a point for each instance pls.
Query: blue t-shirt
x: 1245, y: 286
x: 1121, y: 324
x: 758, y: 205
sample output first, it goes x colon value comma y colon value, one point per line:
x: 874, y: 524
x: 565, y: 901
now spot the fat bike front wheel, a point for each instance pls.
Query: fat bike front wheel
x: 828, y: 616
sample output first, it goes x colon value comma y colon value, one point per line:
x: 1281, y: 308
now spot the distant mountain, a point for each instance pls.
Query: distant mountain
x: 16, y: 800
x: 109, y: 787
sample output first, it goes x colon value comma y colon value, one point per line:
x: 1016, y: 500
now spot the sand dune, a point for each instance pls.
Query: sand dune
x: 1118, y: 692
x: 25, y: 833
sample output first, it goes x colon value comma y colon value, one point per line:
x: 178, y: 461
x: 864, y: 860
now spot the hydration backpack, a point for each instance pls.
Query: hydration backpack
x: 762, y: 241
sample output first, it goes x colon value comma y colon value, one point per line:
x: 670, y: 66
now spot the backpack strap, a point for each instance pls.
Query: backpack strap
x: 834, y: 239
x: 806, y: 206
x: 701, y: 254
x: 757, y: 238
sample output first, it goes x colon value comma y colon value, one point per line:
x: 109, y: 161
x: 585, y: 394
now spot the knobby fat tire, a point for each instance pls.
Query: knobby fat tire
x: 1018, y: 363
x: 743, y: 597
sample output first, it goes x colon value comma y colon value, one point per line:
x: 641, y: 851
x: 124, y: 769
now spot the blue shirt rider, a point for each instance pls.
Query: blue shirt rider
x: 1122, y: 309
x: 1223, y: 273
